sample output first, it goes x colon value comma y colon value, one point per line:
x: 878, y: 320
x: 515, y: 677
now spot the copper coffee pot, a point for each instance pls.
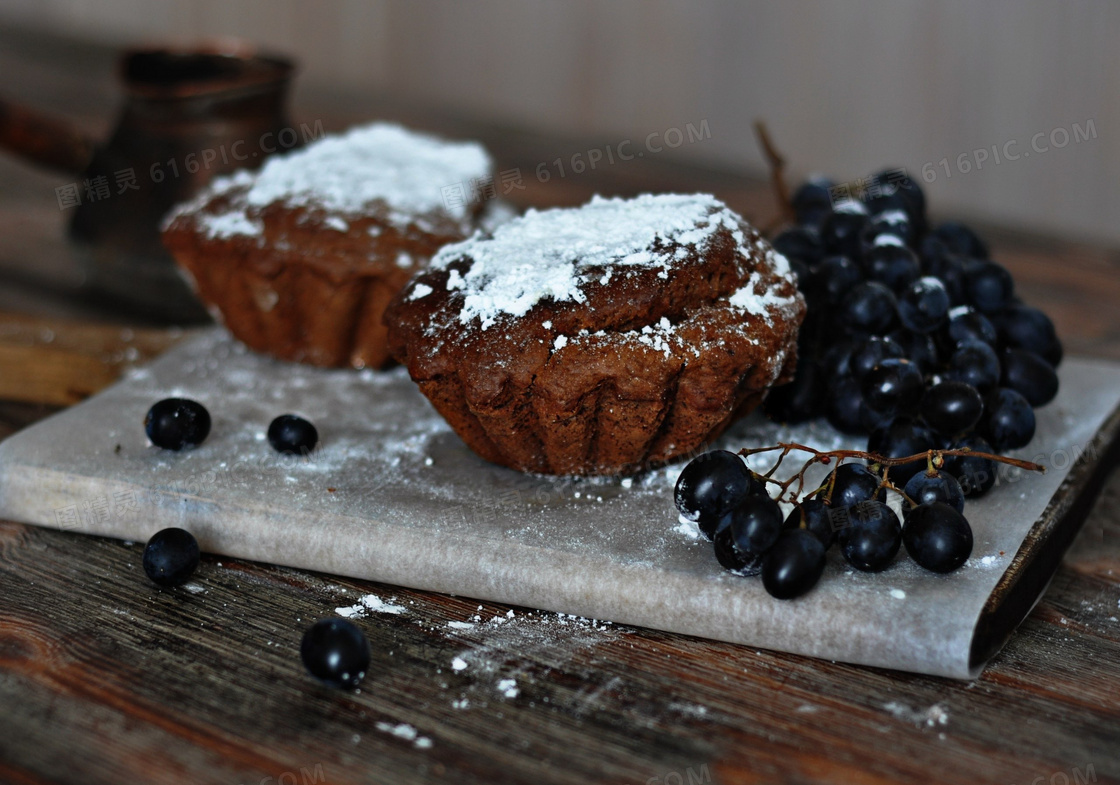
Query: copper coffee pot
x: 189, y: 114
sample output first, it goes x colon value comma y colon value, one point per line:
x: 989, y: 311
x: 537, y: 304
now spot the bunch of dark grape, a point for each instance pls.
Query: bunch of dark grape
x: 913, y: 338
x: 733, y: 507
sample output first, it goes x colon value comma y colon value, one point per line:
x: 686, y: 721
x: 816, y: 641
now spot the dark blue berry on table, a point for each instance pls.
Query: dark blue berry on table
x: 905, y: 436
x: 951, y: 407
x: 936, y: 486
x: 976, y: 475
x: 1029, y: 375
x: 815, y: 516
x: 335, y: 652
x: 1022, y: 327
x: 975, y: 363
x: 853, y: 483
x: 794, y: 565
x: 171, y: 557
x: 894, y: 266
x: 754, y: 523
x: 711, y: 485
x: 988, y: 286
x: 1009, y: 420
x: 872, y: 536
x: 177, y: 423
x: 290, y: 434
x: 924, y: 305
x: 869, y: 308
x: 896, y: 183
x: 937, y: 537
x: 893, y: 386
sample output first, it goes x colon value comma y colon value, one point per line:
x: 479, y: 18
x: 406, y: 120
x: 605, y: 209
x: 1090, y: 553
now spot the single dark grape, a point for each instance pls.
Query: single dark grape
x: 812, y: 202
x: 292, y: 435
x: 976, y: 475
x: 975, y: 363
x: 918, y: 348
x: 897, y: 184
x: 924, y: 305
x: 801, y: 243
x: 843, y: 228
x: 842, y: 405
x: 171, y: 557
x: 870, y: 352
x: 965, y: 325
x: 988, y: 286
x: 800, y: 400
x: 794, y: 565
x: 813, y: 515
x: 730, y: 558
x: 853, y: 483
x: 709, y: 486
x: 951, y: 407
x: 335, y: 652
x: 177, y: 423
x: 872, y: 536
x: 833, y: 278
x: 1029, y: 375
x: 902, y: 438
x: 959, y: 239
x: 945, y: 267
x: 894, y: 266
x: 892, y: 222
x: 836, y: 360
x: 940, y: 486
x: 893, y: 386
x: 869, y: 308
x: 1009, y: 420
x: 1022, y: 327
x: 937, y: 537
x: 755, y: 523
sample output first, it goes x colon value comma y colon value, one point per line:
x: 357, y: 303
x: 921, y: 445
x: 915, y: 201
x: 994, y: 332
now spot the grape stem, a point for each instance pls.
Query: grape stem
x: 777, y: 163
x: 933, y: 458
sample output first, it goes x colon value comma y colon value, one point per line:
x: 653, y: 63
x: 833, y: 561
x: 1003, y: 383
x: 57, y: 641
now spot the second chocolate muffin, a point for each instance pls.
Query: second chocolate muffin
x: 601, y: 339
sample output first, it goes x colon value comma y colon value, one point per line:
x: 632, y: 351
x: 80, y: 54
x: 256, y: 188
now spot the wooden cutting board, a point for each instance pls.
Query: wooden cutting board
x: 394, y: 496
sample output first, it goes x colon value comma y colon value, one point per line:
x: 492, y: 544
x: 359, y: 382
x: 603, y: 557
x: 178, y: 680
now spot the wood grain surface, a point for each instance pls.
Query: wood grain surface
x: 106, y: 679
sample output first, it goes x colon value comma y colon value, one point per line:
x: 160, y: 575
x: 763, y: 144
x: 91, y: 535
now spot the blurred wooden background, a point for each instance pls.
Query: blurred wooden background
x: 846, y: 87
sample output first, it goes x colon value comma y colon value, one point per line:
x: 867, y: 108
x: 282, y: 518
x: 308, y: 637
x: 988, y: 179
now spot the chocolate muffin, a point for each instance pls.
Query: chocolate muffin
x: 601, y: 339
x: 300, y: 259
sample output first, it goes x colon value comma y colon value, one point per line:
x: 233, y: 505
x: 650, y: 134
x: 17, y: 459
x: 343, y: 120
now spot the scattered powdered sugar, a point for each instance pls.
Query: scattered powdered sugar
x: 377, y: 164
x: 420, y: 290
x: 933, y: 716
x: 458, y: 664
x: 370, y: 603
x: 508, y: 687
x: 898, y: 594
x: 552, y: 254
x: 407, y: 732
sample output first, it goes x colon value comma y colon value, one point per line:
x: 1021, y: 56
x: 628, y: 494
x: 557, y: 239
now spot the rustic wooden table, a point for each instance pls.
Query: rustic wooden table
x: 104, y: 679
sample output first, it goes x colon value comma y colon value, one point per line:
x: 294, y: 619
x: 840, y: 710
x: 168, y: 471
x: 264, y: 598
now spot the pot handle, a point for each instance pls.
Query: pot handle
x: 45, y: 140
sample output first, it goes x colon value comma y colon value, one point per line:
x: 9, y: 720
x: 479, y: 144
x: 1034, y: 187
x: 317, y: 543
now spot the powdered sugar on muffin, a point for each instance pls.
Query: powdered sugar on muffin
x: 380, y: 167
x: 552, y: 254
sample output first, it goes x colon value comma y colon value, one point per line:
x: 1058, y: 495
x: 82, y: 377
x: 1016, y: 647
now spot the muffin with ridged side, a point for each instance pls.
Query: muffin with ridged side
x: 601, y: 339
x: 300, y: 258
